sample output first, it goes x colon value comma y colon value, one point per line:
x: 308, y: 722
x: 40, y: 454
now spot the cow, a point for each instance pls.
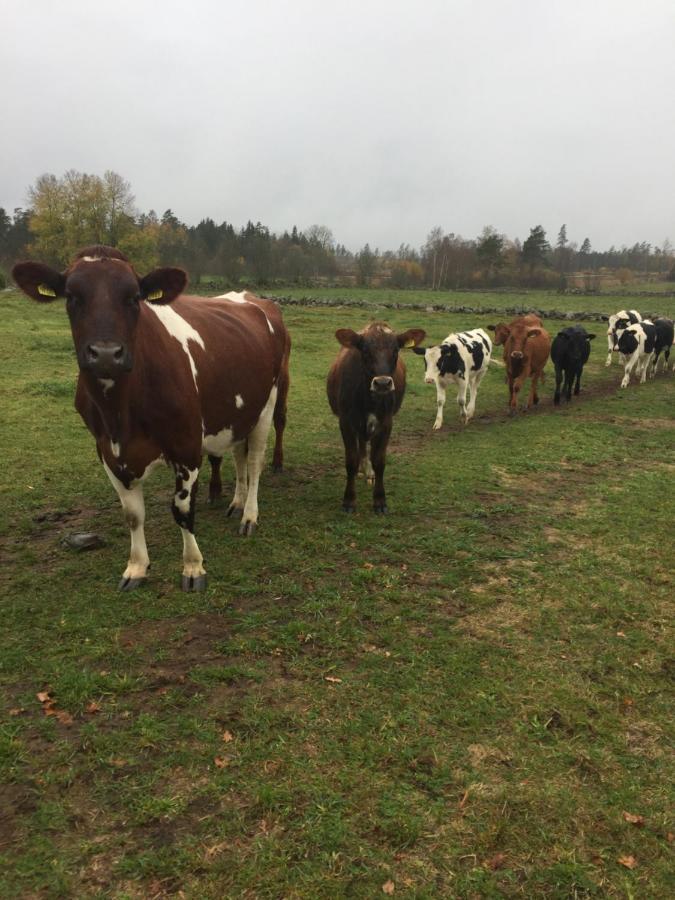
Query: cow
x: 526, y: 349
x: 463, y: 359
x: 663, y: 342
x: 570, y: 350
x: 616, y: 324
x: 165, y: 378
x: 636, y: 345
x: 365, y: 388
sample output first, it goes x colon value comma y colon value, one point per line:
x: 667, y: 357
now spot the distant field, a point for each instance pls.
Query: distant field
x: 465, y: 699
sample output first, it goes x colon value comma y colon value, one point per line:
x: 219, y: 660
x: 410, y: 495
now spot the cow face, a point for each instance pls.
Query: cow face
x: 379, y: 347
x: 628, y: 341
x: 440, y: 361
x: 103, y: 295
x: 502, y: 333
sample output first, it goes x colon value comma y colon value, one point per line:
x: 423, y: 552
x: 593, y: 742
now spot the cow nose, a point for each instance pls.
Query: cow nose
x: 382, y: 384
x: 516, y: 354
x: 106, y: 358
x: 428, y: 380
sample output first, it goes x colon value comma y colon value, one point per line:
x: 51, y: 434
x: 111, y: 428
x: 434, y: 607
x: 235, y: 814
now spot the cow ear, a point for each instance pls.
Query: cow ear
x: 163, y: 285
x: 420, y: 351
x: 39, y: 281
x: 491, y: 327
x: 589, y: 337
x: 348, y: 338
x: 411, y: 338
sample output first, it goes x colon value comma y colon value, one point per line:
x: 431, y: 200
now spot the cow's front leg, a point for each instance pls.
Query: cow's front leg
x: 440, y: 403
x: 629, y: 364
x: 533, y: 397
x: 558, y: 384
x: 183, y: 509
x: 257, y: 442
x: 215, y: 484
x: 134, y: 512
x: 610, y: 348
x: 352, y: 460
x: 239, y: 454
x: 378, y: 456
x: 365, y: 465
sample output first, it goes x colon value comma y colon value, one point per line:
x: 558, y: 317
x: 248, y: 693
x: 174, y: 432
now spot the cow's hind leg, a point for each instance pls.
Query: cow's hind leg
x: 133, y: 505
x: 558, y: 384
x: 280, y: 417
x: 257, y: 442
x: 183, y: 509
x: 352, y: 461
x: 215, y: 484
x: 239, y: 454
x: 365, y: 464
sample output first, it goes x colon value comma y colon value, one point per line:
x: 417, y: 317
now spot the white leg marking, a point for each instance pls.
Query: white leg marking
x: 192, y: 557
x: 257, y: 442
x: 440, y: 403
x: 241, y: 487
x: 134, y: 512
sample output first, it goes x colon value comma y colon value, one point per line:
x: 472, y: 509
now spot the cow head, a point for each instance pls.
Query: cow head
x: 628, y: 341
x: 501, y: 331
x: 378, y: 347
x: 103, y: 294
x: 441, y: 360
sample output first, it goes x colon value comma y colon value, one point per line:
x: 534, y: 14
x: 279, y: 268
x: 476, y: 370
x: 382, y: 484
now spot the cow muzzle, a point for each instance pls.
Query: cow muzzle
x: 382, y: 384
x: 516, y: 354
x: 106, y: 359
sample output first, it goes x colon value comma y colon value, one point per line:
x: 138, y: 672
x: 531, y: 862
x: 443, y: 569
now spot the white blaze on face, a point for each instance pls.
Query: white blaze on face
x: 431, y: 358
x: 180, y: 329
x: 238, y: 401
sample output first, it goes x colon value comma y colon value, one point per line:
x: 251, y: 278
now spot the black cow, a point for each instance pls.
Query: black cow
x: 570, y: 350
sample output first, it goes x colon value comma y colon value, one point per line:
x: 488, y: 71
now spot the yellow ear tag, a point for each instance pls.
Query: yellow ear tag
x: 408, y: 344
x: 155, y: 295
x: 46, y: 291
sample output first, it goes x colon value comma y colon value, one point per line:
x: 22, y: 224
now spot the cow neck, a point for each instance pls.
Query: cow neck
x: 111, y: 403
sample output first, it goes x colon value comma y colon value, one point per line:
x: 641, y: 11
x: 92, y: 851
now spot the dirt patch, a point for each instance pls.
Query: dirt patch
x: 16, y: 800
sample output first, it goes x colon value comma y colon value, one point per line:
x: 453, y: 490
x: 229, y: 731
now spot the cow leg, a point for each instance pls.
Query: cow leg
x: 183, y: 509
x: 378, y: 457
x: 440, y: 403
x: 514, y: 388
x: 629, y: 365
x: 461, y: 399
x: 280, y: 418
x: 352, y: 460
x: 577, y: 386
x: 647, y: 359
x: 257, y: 444
x: 569, y: 381
x: 239, y: 454
x: 533, y: 398
x: 215, y: 484
x: 610, y: 347
x: 558, y: 383
x: 364, y: 462
x: 133, y: 506
x: 473, y: 388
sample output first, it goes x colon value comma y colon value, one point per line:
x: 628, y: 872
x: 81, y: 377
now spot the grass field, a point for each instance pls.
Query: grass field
x: 462, y: 699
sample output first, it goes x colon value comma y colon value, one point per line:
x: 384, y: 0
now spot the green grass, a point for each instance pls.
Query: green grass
x: 502, y: 642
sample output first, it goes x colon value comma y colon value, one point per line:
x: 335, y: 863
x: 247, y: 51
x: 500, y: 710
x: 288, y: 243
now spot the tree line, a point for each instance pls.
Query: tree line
x: 78, y: 209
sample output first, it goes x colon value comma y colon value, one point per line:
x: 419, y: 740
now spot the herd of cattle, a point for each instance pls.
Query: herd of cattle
x: 174, y: 377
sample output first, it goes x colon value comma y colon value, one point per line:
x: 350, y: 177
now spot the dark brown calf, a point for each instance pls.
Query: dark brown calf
x: 526, y: 348
x: 365, y: 386
x: 166, y: 378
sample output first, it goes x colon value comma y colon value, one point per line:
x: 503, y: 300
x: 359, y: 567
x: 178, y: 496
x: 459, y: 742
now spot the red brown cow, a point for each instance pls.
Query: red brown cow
x: 165, y: 377
x: 526, y: 348
x: 366, y: 384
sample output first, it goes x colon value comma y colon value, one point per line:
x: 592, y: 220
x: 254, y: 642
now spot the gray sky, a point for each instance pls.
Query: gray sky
x: 377, y: 119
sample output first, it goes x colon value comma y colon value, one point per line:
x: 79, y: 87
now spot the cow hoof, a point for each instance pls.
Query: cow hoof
x: 235, y: 511
x: 247, y: 529
x: 130, y: 584
x: 277, y: 468
x: 380, y: 510
x: 348, y: 508
x: 190, y: 583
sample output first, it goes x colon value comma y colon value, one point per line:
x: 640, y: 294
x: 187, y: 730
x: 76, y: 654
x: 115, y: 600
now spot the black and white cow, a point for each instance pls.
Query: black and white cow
x: 664, y: 341
x: 636, y: 345
x: 570, y: 350
x: 463, y: 359
x: 616, y: 324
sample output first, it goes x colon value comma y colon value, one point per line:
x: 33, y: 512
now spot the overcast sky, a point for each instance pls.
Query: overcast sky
x: 377, y: 119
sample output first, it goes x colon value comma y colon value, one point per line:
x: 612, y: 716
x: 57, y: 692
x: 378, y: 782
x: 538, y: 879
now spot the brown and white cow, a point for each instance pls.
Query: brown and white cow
x: 166, y: 377
x: 526, y: 348
x: 365, y: 387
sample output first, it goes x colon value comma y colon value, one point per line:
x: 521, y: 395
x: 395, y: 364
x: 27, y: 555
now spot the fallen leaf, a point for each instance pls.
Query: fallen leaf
x: 93, y: 708
x: 43, y: 696
x: 332, y: 679
x: 388, y: 887
x: 497, y: 862
x: 628, y: 861
x: 368, y: 565
x: 670, y: 837
x: 634, y: 820
x: 16, y: 711
x: 227, y: 737
x: 621, y: 634
x: 465, y: 797
x: 221, y: 762
x: 64, y: 717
